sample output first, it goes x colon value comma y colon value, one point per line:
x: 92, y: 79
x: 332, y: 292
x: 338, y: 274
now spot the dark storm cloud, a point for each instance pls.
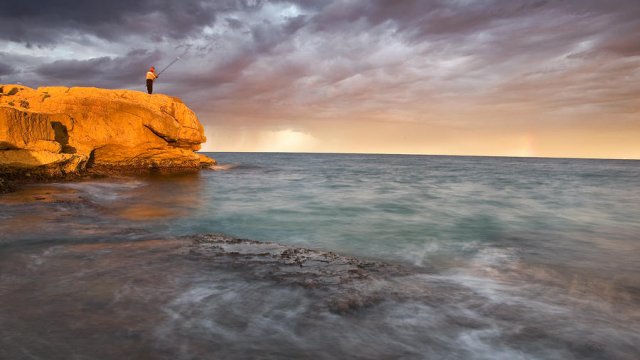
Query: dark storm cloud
x: 6, y: 69
x: 335, y: 55
x: 234, y: 24
x: 263, y: 38
x: 418, y: 20
x: 46, y: 21
x: 424, y: 18
x: 108, y: 71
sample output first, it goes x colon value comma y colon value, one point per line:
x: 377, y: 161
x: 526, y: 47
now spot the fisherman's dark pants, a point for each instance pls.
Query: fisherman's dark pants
x: 149, y: 86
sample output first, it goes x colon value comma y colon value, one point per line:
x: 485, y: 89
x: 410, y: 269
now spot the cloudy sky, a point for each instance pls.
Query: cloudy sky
x: 483, y: 77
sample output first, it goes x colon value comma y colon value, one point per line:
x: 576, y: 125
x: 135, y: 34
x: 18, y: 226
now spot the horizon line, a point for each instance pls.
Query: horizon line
x: 417, y: 154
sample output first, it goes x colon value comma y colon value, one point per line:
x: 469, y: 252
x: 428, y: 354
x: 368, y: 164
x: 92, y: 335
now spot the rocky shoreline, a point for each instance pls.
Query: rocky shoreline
x: 59, y: 133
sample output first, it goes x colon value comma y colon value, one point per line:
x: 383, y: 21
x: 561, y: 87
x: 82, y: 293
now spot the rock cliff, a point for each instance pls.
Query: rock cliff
x: 56, y: 131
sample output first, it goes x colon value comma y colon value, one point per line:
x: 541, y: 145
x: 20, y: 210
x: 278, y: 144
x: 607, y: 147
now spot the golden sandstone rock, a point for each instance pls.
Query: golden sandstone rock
x: 59, y: 130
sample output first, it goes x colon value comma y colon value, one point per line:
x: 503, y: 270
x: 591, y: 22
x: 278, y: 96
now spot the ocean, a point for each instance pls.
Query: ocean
x: 500, y: 258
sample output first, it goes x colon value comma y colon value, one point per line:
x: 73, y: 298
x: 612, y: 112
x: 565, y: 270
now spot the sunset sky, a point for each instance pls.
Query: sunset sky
x: 513, y: 77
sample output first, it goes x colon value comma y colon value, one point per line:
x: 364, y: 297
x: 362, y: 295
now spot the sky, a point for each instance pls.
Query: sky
x: 446, y: 77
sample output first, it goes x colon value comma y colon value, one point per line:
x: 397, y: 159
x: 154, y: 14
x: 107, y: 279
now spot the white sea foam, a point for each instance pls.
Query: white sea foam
x: 104, y: 191
x: 223, y: 167
x: 418, y: 254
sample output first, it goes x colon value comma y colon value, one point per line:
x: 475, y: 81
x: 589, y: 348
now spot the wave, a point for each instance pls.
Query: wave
x: 223, y: 167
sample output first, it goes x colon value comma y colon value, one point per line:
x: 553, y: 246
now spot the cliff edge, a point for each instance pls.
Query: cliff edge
x: 60, y: 131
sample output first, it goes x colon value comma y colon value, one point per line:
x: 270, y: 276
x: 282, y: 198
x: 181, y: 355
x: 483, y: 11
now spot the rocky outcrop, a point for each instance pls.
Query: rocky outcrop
x: 54, y: 131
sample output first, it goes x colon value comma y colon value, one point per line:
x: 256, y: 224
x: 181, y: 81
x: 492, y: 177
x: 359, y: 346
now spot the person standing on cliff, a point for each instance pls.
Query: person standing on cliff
x: 151, y: 75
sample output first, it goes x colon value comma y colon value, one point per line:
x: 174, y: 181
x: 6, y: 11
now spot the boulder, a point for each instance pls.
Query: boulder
x: 60, y: 130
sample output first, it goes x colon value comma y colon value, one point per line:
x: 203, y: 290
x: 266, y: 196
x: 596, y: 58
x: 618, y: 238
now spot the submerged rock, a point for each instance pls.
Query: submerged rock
x: 56, y: 131
x: 347, y: 283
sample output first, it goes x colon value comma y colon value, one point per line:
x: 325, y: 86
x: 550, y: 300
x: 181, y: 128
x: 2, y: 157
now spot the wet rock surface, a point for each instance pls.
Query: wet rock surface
x: 348, y: 283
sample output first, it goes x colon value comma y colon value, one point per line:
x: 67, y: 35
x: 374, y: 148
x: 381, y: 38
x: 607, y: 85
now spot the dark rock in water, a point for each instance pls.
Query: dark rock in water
x: 347, y: 282
x: 5, y: 186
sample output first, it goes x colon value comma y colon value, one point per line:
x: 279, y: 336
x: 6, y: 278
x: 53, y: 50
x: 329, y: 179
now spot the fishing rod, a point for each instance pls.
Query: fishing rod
x: 173, y: 62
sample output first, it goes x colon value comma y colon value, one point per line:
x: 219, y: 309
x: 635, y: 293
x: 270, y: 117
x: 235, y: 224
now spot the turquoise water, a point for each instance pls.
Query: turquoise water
x: 540, y: 258
x: 576, y: 211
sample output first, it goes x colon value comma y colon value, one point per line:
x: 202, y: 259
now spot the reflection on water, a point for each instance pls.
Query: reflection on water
x: 98, y: 208
x: 173, y: 197
x: 502, y: 259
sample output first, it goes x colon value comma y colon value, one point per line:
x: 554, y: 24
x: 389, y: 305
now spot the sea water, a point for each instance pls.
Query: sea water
x: 511, y: 258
